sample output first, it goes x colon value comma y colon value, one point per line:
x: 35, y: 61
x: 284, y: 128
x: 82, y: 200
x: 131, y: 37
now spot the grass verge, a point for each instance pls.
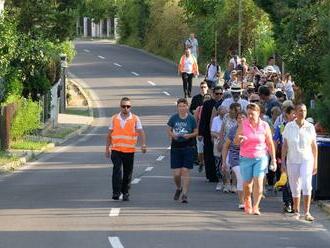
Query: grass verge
x: 5, y: 158
x: 28, y: 145
x: 77, y: 111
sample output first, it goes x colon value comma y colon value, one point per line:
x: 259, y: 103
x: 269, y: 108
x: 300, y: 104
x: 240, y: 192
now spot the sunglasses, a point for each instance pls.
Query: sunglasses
x: 126, y: 106
x: 218, y: 93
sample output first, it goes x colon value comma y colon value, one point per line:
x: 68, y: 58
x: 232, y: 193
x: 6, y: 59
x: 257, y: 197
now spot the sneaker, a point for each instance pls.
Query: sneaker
x: 126, y: 197
x: 287, y: 209
x: 233, y: 189
x: 177, y: 194
x: 219, y: 187
x: 184, y: 198
x: 226, y: 188
x: 115, y: 196
x: 309, y: 217
x: 241, y: 206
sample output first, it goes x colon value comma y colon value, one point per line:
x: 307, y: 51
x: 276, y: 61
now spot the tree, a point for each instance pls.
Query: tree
x: 98, y: 9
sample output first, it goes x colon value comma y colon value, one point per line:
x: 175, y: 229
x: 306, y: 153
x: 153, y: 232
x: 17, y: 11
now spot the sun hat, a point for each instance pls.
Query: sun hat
x: 236, y: 88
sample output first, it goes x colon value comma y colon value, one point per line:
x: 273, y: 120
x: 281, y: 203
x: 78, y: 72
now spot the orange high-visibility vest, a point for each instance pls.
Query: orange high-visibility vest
x: 124, y: 139
x: 182, y: 61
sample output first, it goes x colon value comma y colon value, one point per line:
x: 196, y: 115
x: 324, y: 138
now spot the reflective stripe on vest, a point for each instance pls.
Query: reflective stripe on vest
x: 124, y: 138
x: 182, y: 61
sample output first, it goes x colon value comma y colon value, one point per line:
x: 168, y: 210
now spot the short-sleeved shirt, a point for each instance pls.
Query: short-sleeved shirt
x: 216, y: 124
x: 180, y: 127
x: 227, y: 102
x: 299, y: 141
x: 123, y: 121
x: 228, y: 123
x: 233, y: 154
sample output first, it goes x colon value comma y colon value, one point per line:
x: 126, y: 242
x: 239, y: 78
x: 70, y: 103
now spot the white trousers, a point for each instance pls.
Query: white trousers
x: 300, y: 177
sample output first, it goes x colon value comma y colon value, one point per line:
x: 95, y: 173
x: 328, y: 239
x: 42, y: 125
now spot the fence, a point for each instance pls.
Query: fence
x: 6, y: 115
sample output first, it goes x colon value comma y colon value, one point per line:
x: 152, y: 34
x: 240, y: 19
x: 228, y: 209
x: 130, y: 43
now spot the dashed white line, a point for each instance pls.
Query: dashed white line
x: 116, y: 64
x: 136, y: 181
x: 114, y: 212
x: 169, y: 148
x: 115, y: 242
x: 134, y: 73
x: 151, y: 83
x: 160, y: 158
x: 149, y: 168
x: 166, y: 93
x: 86, y: 50
x: 101, y: 57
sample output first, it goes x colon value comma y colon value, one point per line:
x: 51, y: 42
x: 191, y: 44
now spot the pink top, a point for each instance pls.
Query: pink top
x: 254, y: 146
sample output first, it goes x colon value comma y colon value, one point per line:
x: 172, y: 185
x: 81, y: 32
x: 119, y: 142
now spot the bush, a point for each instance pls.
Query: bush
x: 26, y: 120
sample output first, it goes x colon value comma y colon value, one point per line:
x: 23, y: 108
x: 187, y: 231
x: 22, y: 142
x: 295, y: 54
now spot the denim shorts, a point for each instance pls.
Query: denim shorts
x: 253, y: 167
x: 182, y: 158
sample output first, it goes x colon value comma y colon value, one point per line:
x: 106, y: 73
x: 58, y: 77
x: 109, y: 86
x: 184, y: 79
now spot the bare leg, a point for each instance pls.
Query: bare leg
x: 296, y: 204
x: 240, y: 197
x: 247, y: 190
x: 177, y: 178
x: 257, y: 192
x: 185, y: 179
x: 307, y: 203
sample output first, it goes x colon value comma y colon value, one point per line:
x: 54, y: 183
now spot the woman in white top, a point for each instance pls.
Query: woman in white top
x: 299, y: 159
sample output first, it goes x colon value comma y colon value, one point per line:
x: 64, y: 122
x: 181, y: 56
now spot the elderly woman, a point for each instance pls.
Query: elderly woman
x: 255, y: 139
x: 299, y: 153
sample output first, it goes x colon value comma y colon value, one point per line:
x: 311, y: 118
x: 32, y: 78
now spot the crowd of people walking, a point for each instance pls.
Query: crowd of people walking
x: 246, y: 133
x: 251, y: 132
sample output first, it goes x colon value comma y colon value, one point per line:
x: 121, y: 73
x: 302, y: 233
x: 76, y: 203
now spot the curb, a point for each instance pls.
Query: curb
x: 325, y: 206
x: 32, y: 155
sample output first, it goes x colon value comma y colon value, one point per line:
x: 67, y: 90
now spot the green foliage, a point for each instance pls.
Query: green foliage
x: 133, y: 19
x: 54, y: 20
x: 26, y: 120
x: 98, y: 9
x: 167, y: 29
x: 303, y: 43
x: 67, y: 47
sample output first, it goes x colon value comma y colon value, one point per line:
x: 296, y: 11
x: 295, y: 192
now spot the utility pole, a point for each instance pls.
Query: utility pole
x: 239, y: 28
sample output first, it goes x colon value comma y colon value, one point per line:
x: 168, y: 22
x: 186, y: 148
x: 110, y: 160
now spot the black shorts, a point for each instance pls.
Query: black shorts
x: 182, y: 158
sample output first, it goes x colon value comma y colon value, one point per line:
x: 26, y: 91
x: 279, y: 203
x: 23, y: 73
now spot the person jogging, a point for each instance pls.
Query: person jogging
x: 124, y: 130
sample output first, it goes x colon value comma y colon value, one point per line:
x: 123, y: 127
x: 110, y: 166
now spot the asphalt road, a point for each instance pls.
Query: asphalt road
x: 64, y: 198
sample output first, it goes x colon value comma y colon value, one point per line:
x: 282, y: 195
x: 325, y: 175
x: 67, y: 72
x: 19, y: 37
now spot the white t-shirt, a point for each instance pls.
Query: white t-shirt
x: 123, y: 121
x: 188, y: 65
x: 299, y: 141
x: 212, y: 71
x: 216, y: 124
x: 227, y: 102
x: 235, y: 63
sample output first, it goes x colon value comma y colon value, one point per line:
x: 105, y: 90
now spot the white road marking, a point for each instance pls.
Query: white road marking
x: 116, y: 64
x: 136, y: 181
x: 101, y: 57
x: 86, y: 50
x: 284, y: 238
x: 169, y: 148
x: 149, y: 168
x: 160, y: 158
x: 114, y: 212
x: 134, y: 73
x: 166, y: 93
x: 151, y: 83
x: 115, y: 242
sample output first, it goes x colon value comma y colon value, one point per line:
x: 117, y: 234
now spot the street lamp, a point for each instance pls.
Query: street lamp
x: 64, y: 65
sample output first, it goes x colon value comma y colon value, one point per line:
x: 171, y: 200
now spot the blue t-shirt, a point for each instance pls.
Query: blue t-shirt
x: 180, y: 127
x: 233, y: 149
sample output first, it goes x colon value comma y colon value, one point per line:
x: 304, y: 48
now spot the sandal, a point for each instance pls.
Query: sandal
x: 309, y: 217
